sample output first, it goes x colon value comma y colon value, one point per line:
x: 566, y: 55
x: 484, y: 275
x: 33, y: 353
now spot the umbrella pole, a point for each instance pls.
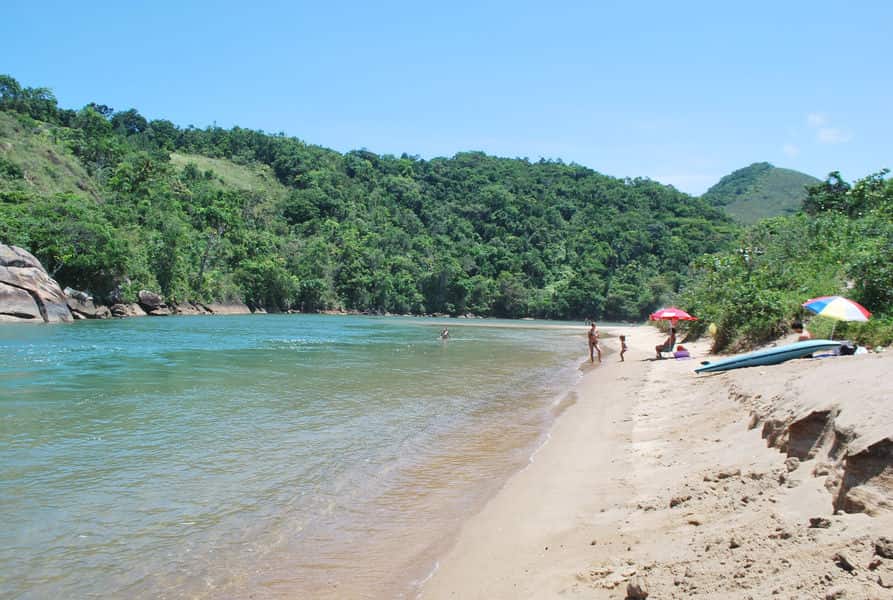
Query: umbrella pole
x: 833, y: 327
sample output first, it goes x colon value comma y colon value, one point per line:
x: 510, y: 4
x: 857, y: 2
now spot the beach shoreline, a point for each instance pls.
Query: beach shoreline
x: 662, y: 478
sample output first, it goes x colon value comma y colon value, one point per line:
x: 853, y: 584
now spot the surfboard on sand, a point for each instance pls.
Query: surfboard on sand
x: 768, y: 356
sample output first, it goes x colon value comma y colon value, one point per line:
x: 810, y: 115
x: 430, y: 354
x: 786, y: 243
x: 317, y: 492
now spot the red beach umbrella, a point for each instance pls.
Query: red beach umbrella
x: 671, y: 314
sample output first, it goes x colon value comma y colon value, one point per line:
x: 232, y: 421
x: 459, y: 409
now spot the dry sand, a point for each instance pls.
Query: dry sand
x: 768, y: 482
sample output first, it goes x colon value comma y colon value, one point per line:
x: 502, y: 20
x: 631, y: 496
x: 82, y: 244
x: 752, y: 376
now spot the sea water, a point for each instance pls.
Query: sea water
x: 277, y: 456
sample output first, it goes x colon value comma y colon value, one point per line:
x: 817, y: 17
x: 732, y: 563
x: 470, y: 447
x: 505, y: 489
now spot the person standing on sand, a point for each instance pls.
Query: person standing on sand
x: 623, y: 347
x: 593, y: 344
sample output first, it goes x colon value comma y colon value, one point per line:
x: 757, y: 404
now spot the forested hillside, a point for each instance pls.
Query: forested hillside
x: 113, y: 203
x: 840, y: 244
x: 759, y: 191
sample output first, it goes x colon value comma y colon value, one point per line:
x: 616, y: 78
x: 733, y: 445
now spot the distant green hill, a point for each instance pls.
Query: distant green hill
x: 760, y: 191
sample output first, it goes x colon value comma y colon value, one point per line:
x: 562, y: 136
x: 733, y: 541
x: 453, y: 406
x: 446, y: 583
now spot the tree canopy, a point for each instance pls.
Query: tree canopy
x: 841, y: 244
x: 468, y: 234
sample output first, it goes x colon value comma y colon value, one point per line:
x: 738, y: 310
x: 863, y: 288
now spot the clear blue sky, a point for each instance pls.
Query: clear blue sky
x: 681, y: 92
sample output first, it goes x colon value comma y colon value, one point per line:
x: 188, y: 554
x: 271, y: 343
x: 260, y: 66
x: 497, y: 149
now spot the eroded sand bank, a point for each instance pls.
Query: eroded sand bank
x: 769, y: 482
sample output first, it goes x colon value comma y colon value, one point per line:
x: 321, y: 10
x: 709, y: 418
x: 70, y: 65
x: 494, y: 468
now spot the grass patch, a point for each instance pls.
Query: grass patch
x: 256, y: 178
x: 36, y: 159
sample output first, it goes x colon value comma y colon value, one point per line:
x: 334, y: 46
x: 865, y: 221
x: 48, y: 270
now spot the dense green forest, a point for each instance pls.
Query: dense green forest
x: 112, y: 203
x: 759, y: 191
x: 841, y: 243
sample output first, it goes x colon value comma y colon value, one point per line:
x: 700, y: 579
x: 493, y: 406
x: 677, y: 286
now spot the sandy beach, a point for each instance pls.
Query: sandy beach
x: 768, y: 482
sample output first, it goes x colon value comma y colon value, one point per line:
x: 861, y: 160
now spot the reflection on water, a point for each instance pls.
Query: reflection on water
x: 281, y: 456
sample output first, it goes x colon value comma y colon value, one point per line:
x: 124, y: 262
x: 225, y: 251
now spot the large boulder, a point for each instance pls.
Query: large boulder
x: 16, y: 303
x: 121, y: 310
x: 17, y: 258
x: 82, y: 307
x: 21, y: 273
x: 153, y: 304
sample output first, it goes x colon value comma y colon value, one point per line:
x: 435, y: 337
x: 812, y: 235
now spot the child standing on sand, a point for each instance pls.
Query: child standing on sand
x: 623, y: 347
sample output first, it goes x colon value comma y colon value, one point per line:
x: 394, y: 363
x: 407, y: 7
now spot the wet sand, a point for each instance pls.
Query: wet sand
x: 756, y: 483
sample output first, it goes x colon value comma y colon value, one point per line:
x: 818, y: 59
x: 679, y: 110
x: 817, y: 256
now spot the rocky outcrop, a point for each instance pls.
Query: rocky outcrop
x: 27, y: 292
x: 189, y: 308
x: 122, y: 310
x: 153, y: 304
x: 16, y: 304
x: 228, y: 308
x: 82, y: 306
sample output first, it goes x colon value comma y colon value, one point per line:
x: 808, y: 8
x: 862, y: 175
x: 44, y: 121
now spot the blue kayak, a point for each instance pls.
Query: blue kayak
x: 769, y: 356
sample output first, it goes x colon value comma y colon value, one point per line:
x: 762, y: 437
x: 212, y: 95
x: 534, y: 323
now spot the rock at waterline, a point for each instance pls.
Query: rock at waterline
x: 189, y: 308
x: 21, y: 275
x: 16, y: 304
x: 127, y: 310
x: 82, y: 307
x: 228, y: 308
x: 153, y: 304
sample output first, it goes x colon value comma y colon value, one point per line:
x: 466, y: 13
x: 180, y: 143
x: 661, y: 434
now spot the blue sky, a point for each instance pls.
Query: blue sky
x: 681, y: 92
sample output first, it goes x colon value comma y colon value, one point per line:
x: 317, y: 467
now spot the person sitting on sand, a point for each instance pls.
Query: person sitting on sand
x: 593, y: 344
x: 623, y: 347
x: 668, y: 344
x: 802, y: 334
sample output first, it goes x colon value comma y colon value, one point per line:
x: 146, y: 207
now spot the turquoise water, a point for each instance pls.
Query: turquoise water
x: 272, y: 456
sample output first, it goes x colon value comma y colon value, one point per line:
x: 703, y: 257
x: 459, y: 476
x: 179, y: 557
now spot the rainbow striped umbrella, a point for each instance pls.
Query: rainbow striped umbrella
x: 837, y: 307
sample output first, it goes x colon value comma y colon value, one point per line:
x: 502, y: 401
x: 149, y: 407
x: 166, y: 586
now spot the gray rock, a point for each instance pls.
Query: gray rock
x: 188, y: 308
x: 82, y: 307
x: 228, y: 308
x: 153, y: 304
x: 127, y: 310
x: 883, y: 547
x: 21, y: 270
x: 17, y: 258
x: 16, y: 303
x: 78, y: 295
x: 149, y: 300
